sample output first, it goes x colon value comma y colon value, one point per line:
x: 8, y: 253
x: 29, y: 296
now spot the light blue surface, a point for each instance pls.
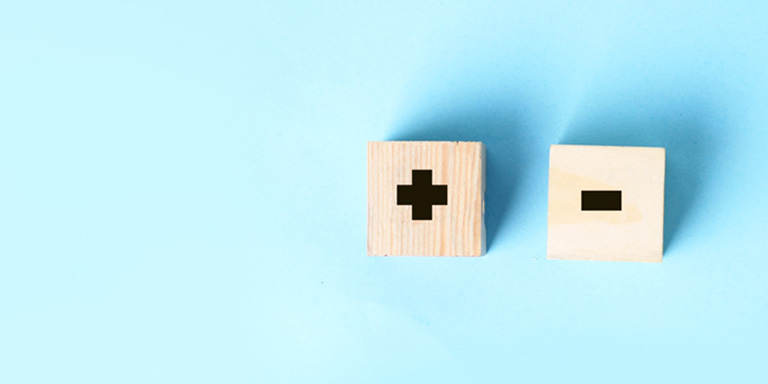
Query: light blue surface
x: 183, y: 194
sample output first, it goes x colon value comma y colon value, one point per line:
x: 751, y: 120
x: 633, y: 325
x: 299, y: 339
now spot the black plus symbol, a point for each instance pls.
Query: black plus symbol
x: 421, y: 195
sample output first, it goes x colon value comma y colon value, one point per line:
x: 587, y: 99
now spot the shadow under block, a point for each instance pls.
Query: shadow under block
x: 415, y: 212
x: 606, y: 203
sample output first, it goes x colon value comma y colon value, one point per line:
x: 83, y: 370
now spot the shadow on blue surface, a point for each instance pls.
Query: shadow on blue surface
x: 508, y: 150
x: 688, y: 133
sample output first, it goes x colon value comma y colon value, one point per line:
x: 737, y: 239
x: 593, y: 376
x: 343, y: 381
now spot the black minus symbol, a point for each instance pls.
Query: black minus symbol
x: 601, y: 200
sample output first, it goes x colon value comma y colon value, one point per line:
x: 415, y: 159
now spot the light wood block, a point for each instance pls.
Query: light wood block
x: 586, y: 225
x: 456, y: 228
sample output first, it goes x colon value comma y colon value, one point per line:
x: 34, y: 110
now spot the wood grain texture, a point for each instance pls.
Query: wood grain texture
x: 456, y: 229
x: 635, y: 233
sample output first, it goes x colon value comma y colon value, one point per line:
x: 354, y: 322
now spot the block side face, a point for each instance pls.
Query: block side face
x: 455, y: 229
x: 633, y: 234
x: 663, y: 177
x: 550, y: 211
x: 483, y: 183
x: 376, y: 216
x: 467, y: 225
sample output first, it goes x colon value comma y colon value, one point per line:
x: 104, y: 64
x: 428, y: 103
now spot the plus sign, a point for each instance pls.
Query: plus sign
x: 421, y: 195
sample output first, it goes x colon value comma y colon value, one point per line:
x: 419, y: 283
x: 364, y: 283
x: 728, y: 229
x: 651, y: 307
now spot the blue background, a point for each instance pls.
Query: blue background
x: 183, y: 190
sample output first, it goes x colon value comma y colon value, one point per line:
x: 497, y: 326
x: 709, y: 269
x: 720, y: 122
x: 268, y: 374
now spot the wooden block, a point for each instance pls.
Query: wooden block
x: 426, y: 198
x: 606, y: 203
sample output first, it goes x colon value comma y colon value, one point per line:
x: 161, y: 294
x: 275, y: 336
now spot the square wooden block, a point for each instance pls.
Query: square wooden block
x: 606, y: 203
x: 426, y: 198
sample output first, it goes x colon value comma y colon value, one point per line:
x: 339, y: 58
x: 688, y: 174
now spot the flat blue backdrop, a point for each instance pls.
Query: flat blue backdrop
x: 183, y: 190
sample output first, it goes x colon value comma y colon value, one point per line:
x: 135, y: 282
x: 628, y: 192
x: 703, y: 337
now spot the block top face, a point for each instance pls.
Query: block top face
x: 606, y: 203
x: 425, y: 198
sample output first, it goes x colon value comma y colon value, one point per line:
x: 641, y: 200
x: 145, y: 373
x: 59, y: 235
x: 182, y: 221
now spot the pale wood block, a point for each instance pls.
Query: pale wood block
x: 400, y: 200
x: 589, y: 219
